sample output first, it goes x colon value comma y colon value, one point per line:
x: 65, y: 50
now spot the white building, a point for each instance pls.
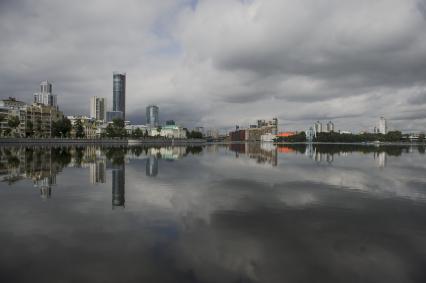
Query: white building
x: 310, y: 134
x: 267, y: 137
x: 98, y: 108
x: 45, y: 96
x: 330, y: 127
x: 318, y: 127
x: 169, y: 131
x: 130, y: 129
x: 383, y: 128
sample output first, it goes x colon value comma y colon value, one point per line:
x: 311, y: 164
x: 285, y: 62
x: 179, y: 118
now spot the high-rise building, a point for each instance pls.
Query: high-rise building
x: 97, y: 108
x: 318, y: 127
x: 119, y: 93
x: 383, y: 128
x: 152, y: 112
x: 45, y: 96
x: 330, y: 127
x: 111, y: 115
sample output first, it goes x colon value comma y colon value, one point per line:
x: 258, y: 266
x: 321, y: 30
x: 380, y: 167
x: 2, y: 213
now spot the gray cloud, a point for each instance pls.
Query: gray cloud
x: 223, y: 62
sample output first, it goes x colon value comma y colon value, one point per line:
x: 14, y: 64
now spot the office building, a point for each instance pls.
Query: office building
x: 330, y: 127
x: 254, y: 132
x: 98, y: 108
x: 310, y: 134
x: 45, y: 96
x: 152, y: 116
x: 111, y: 115
x: 383, y: 128
x: 12, y: 103
x: 318, y: 127
x: 41, y: 118
x: 119, y: 93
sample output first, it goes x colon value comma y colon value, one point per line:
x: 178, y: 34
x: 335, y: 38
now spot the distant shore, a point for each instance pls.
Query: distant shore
x: 133, y: 142
x: 103, y: 141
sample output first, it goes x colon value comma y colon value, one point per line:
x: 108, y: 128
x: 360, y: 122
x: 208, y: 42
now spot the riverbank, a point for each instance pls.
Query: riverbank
x: 122, y: 142
x: 177, y: 142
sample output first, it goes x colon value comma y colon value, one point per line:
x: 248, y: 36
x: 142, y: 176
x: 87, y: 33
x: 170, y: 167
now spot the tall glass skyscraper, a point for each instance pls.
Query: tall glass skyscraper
x: 152, y: 116
x: 119, y: 93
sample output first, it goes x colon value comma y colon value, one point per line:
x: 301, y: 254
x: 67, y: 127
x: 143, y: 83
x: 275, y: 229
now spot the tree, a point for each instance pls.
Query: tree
x: 137, y: 133
x: 300, y: 137
x: 194, y: 135
x: 29, y: 129
x: 393, y: 136
x: 38, y: 128
x: 13, y: 122
x: 116, y: 129
x: 422, y: 137
x: 61, y: 128
x: 79, y: 129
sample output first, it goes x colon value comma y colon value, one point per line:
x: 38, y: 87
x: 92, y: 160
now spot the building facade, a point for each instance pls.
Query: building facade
x: 98, y: 108
x: 111, y: 115
x: 383, y: 127
x: 330, y: 127
x: 152, y: 116
x: 318, y: 127
x: 119, y: 93
x: 255, y: 132
x: 41, y: 118
x: 45, y: 96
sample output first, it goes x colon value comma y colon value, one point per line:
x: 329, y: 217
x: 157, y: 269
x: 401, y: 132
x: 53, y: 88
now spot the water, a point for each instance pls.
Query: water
x: 240, y: 213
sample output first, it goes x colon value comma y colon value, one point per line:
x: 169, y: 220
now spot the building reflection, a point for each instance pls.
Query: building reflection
x: 380, y: 158
x: 263, y: 153
x: 97, y: 172
x: 152, y: 166
x: 43, y: 164
x: 40, y: 165
x: 118, y: 186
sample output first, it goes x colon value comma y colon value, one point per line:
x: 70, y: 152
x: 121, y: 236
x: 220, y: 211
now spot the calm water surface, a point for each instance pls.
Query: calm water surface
x: 239, y: 213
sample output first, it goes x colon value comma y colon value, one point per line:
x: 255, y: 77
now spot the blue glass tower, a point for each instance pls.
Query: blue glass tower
x: 152, y: 119
x: 119, y: 93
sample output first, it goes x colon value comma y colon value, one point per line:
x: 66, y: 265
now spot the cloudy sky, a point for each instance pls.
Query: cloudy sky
x: 219, y: 63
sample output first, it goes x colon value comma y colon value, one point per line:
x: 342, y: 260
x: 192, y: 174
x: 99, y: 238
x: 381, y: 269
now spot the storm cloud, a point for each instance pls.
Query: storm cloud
x: 219, y: 63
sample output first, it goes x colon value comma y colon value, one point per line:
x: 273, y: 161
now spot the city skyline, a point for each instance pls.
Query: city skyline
x: 320, y: 67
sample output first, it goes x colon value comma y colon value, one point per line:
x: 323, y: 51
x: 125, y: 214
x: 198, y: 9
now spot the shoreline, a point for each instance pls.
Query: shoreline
x: 120, y: 142
x: 178, y: 142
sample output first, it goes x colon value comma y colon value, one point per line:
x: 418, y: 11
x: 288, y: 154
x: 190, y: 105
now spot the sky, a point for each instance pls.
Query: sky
x: 221, y: 63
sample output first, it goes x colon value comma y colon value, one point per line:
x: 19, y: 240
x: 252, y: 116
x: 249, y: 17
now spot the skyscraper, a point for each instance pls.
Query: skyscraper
x: 45, y: 96
x: 119, y: 93
x: 383, y: 128
x: 152, y: 116
x: 97, y: 108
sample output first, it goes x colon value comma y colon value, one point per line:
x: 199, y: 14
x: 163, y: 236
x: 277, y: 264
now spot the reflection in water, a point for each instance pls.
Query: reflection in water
x: 118, y: 187
x: 42, y: 164
x: 97, y: 172
x: 263, y: 153
x: 380, y: 158
x: 152, y: 166
x: 212, y: 218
